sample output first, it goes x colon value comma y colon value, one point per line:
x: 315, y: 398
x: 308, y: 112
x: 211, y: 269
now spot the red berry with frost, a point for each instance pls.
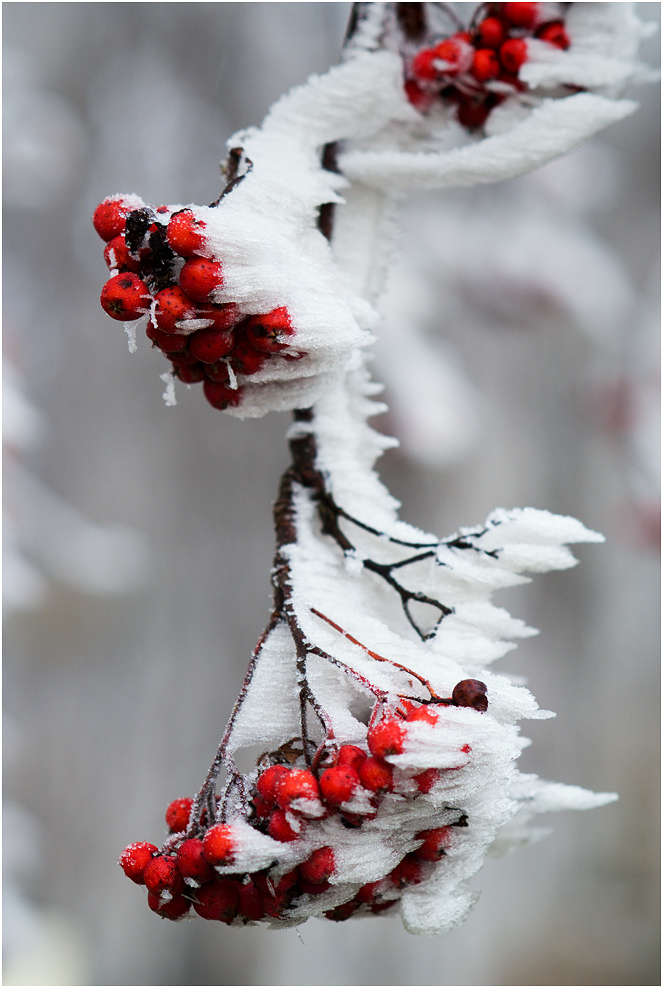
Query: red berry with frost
x: 342, y: 912
x: 217, y: 372
x: 367, y: 893
x: 279, y: 828
x: 352, y: 755
x: 200, y: 277
x: 168, y: 342
x: 220, y: 396
x: 269, y: 332
x: 110, y: 216
x: 177, y: 814
x: 192, y: 862
x: 220, y: 844
x: 262, y: 807
x: 421, y: 99
x: 297, y: 784
x: 275, y: 905
x: 135, y: 858
x: 409, y: 872
x: 471, y: 693
x: 220, y: 316
x: 125, y: 297
x: 338, y: 784
x: 186, y: 234
x: 555, y: 34
x: 250, y: 902
x: 267, y: 780
x: 245, y: 359
x: 426, y: 780
x: 513, y: 54
x: 118, y: 258
x: 386, y: 737
x: 172, y: 306
x: 189, y: 373
x: 456, y: 53
x: 524, y: 15
x: 319, y: 867
x: 490, y: 32
x: 217, y: 900
x: 173, y: 908
x: 485, y: 64
x: 163, y: 875
x: 275, y: 886
x: 376, y: 775
x: 423, y: 65
x: 422, y: 714
x: 434, y: 843
x: 209, y: 345
x: 312, y: 888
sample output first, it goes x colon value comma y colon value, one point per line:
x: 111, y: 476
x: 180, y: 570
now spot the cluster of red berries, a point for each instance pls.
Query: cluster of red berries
x: 162, y: 266
x: 477, y: 69
x: 287, y: 800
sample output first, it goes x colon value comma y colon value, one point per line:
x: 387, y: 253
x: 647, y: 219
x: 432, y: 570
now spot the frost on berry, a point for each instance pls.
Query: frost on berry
x: 388, y: 740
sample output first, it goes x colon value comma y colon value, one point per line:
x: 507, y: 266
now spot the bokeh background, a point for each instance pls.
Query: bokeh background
x: 521, y: 356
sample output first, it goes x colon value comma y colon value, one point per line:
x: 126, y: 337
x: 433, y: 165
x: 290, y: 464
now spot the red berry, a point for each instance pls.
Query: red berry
x: 422, y: 64
x: 261, y: 807
x: 110, y: 216
x: 200, y: 277
x: 209, y: 345
x: 118, y: 258
x: 342, y: 912
x: 219, y: 844
x: 424, y: 714
x: 172, y: 306
x: 367, y: 892
x: 386, y: 738
x: 275, y: 905
x: 163, y: 875
x: 273, y: 886
x: 168, y: 342
x: 319, y: 867
x: 426, y: 780
x: 217, y: 372
x: 280, y: 829
x: 177, y: 814
x: 218, y: 900
x: 267, y: 780
x: 338, y: 784
x: 521, y: 14
x: 456, y: 53
x: 350, y: 754
x: 221, y: 316
x: 471, y: 693
x: 513, y: 53
x: 312, y: 888
x: 135, y: 858
x: 250, y: 902
x: 185, y: 234
x: 269, y: 332
x: 408, y: 872
x: 294, y: 785
x: 555, y: 34
x: 434, y: 843
x: 376, y: 775
x: 125, y: 297
x: 244, y: 359
x: 189, y: 373
x: 220, y: 396
x: 421, y: 99
x: 182, y: 358
x: 173, y: 908
x: 485, y: 64
x: 192, y: 862
x: 490, y: 32
x: 472, y: 114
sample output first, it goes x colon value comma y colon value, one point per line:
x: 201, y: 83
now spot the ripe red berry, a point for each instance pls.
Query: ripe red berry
x: 118, y: 258
x: 173, y: 908
x: 422, y: 713
x: 244, y: 358
x: 422, y: 64
x: 471, y: 693
x: 297, y: 784
x: 386, y: 738
x: 125, y: 297
x: 218, y: 900
x: 220, y: 844
x: 456, y: 53
x: 426, y: 780
x: 421, y: 99
x: 250, y: 902
x: 280, y: 829
x: 472, y: 114
x: 267, y: 780
x: 376, y: 775
x: 367, y: 892
x: 513, y: 53
x: 434, y: 843
x: 186, y: 234
x: 408, y: 872
x: 221, y: 316
x: 182, y: 358
x: 350, y: 754
x: 177, y: 814
x: 521, y: 14
x: 189, y: 373
x: 110, y: 216
x: 200, y: 277
x: 209, y: 345
x: 261, y: 807
x: 163, y: 875
x: 168, y: 342
x: 319, y: 867
x: 135, y: 858
x: 192, y: 862
x: 269, y: 332
x: 275, y: 886
x: 485, y: 65
x: 172, y: 306
x: 338, y: 784
x: 490, y: 32
x: 217, y: 372
x: 555, y: 34
x: 220, y: 396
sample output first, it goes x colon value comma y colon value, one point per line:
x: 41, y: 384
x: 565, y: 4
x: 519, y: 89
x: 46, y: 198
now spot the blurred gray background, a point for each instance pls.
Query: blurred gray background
x: 138, y: 537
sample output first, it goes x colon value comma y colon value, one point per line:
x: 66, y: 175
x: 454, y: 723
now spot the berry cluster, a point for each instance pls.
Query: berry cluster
x: 477, y: 69
x: 306, y: 807
x: 162, y: 266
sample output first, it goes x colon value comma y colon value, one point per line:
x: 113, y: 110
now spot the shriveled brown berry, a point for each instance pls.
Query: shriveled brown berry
x: 471, y: 693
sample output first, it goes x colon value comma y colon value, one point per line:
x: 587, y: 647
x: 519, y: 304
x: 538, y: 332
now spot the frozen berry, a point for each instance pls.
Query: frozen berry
x: 118, y: 258
x: 490, y: 32
x: 342, y: 912
x: 386, y: 738
x: 471, y: 693
x: 297, y: 784
x: 434, y: 843
x: 219, y: 844
x: 280, y: 829
x: 472, y: 114
x: 319, y: 867
x: 408, y: 872
x: 275, y: 886
x: 190, y: 373
x: 200, y: 277
x: 250, y: 902
x: 267, y: 780
x: 485, y: 64
x: 456, y: 53
x: 192, y: 862
x: 513, y: 53
x: 125, y: 297
x: 177, y: 814
x: 421, y: 99
x: 110, y: 216
x: 217, y: 900
x: 422, y: 713
x: 555, y: 34
x: 270, y: 331
x: 220, y: 396
x: 168, y: 342
x: 338, y: 784
x: 186, y: 234
x: 350, y: 754
x: 244, y: 358
x: 217, y: 371
x: 163, y: 875
x: 220, y: 316
x: 173, y: 908
x: 426, y: 780
x: 172, y: 306
x: 521, y: 14
x: 135, y: 858
x: 209, y: 345
x: 423, y: 66
x: 376, y: 775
